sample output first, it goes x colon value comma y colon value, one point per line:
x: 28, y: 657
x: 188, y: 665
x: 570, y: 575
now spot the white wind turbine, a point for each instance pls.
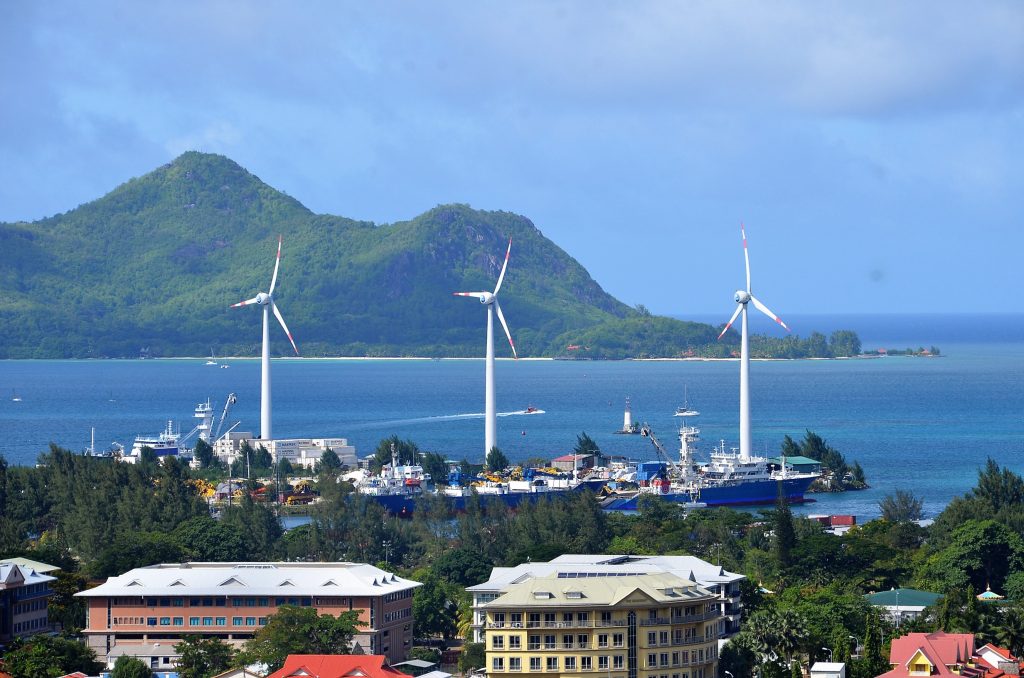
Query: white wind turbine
x: 266, y: 300
x: 490, y: 300
x: 743, y: 297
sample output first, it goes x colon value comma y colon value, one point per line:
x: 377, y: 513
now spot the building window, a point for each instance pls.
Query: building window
x: 179, y: 621
x: 535, y: 663
x: 515, y: 642
x: 150, y: 621
x: 606, y: 617
x: 250, y: 621
x: 583, y: 618
x: 533, y: 621
x: 567, y: 643
x: 570, y: 663
x: 165, y: 621
x: 663, y: 637
x: 534, y: 643
x: 664, y: 658
x: 552, y: 663
x: 602, y: 663
x: 498, y: 619
x: 617, y: 661
x: 583, y: 641
x: 498, y: 664
x: 586, y: 663
x: 567, y: 618
x: 602, y: 640
x: 652, y: 638
x: 517, y: 620
x: 236, y: 621
x: 207, y: 621
x: 263, y: 621
x: 652, y: 660
x: 498, y: 642
x: 617, y: 639
x: 193, y: 621
x: 549, y: 642
x: 515, y: 664
x: 222, y: 621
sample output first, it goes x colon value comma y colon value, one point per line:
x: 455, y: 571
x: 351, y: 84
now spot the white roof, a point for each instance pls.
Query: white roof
x: 14, y: 575
x: 828, y: 666
x: 253, y: 579
x: 686, y: 567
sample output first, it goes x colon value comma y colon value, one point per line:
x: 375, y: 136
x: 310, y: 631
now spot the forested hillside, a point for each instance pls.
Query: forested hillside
x: 157, y: 262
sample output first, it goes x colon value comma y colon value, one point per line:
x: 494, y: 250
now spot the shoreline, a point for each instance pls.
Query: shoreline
x: 416, y: 358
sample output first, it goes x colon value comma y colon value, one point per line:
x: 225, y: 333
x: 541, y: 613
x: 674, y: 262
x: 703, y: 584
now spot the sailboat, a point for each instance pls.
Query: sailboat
x: 212, y: 360
x: 15, y: 397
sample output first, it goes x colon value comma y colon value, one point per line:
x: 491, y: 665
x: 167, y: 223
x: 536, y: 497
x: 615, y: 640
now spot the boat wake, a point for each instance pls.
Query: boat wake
x: 437, y: 419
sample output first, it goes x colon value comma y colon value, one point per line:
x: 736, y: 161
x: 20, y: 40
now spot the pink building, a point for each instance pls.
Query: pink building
x: 158, y: 605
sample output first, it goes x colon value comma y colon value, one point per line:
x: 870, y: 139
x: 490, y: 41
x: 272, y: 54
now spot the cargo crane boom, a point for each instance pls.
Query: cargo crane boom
x: 646, y: 432
x: 231, y: 400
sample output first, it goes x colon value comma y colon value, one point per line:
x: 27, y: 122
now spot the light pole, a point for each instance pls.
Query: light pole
x: 856, y: 646
x: 829, y: 650
x: 898, y: 615
x: 729, y: 673
x: 387, y: 551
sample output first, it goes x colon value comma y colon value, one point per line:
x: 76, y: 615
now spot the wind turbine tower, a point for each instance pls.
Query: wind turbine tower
x: 490, y: 300
x: 266, y: 300
x: 742, y: 298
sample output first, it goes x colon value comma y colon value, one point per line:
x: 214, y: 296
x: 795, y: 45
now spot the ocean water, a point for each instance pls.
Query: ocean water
x: 921, y: 424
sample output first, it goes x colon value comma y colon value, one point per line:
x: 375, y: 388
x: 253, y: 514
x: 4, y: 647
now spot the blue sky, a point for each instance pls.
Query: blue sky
x: 873, y: 149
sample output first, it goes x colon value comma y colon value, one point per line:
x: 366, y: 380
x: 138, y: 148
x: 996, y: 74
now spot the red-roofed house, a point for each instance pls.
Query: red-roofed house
x: 948, y: 654
x: 336, y: 666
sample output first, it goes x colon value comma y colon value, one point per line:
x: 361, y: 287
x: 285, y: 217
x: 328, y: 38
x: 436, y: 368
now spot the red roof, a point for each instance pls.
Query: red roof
x: 941, y: 649
x: 336, y: 666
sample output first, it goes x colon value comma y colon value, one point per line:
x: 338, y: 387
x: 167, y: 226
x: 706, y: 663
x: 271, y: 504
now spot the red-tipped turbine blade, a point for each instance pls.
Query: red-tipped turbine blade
x: 277, y: 264
x: 501, y: 317
x: 739, y: 307
x: 280, y: 319
x: 746, y: 256
x: 764, y: 309
x: 475, y: 295
x: 245, y: 303
x: 503, y: 267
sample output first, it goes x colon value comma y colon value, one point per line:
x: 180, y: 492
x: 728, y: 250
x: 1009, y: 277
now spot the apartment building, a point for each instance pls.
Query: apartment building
x: 24, y: 595
x: 724, y: 585
x: 615, y: 625
x: 154, y: 607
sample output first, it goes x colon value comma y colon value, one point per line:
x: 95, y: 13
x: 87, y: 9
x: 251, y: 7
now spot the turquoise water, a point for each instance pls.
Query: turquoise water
x: 914, y: 423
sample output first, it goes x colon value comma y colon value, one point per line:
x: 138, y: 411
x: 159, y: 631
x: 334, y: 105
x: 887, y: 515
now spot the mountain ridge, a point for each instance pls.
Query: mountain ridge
x: 156, y: 262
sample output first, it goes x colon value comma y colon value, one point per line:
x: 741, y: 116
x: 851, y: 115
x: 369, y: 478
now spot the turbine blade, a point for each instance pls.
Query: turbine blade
x: 503, y: 267
x: 475, y: 295
x: 501, y: 317
x: 273, y: 281
x: 764, y: 309
x: 739, y: 307
x: 280, y: 319
x: 746, y: 257
x: 245, y: 303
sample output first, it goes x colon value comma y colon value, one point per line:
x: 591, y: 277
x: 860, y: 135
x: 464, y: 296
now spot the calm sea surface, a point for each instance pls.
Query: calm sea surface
x: 920, y: 424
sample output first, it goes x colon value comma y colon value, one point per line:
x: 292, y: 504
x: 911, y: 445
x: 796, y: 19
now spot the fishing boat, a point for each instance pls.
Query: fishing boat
x: 165, y: 444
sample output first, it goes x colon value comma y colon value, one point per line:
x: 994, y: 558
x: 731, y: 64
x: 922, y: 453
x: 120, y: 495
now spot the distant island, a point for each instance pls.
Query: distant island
x: 150, y: 269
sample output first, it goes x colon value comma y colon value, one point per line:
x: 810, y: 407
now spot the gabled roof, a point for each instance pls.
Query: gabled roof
x: 41, y: 568
x: 13, y: 575
x: 552, y: 591
x: 582, y: 566
x: 253, y: 579
x: 941, y: 649
x: 336, y: 666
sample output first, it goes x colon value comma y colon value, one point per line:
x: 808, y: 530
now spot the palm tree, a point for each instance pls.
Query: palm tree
x: 1010, y: 632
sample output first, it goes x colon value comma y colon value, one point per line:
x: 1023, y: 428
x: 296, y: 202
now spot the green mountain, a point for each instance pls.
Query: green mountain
x: 157, y: 262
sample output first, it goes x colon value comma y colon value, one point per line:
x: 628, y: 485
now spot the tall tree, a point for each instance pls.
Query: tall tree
x: 903, y: 506
x: 785, y: 534
x: 496, y: 460
x: 300, y: 630
x: 203, y: 657
x: 130, y: 667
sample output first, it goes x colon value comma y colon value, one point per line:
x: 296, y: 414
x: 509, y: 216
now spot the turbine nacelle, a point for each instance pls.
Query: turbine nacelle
x: 262, y: 299
x: 742, y: 297
x: 486, y: 298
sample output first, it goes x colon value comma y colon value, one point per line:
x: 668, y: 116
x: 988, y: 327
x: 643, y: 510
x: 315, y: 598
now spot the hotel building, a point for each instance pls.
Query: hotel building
x: 146, y: 611
x: 614, y: 625
x: 724, y: 585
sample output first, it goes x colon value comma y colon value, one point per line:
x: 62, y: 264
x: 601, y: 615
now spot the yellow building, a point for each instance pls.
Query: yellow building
x: 614, y: 625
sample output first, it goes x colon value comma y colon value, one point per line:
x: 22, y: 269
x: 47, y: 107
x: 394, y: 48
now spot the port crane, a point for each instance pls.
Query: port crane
x: 231, y: 400
x: 664, y: 456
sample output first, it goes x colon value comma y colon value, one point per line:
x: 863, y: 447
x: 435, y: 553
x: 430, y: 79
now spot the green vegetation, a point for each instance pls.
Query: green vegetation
x: 155, y: 264
x: 837, y: 475
x: 799, y: 577
x: 299, y: 630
